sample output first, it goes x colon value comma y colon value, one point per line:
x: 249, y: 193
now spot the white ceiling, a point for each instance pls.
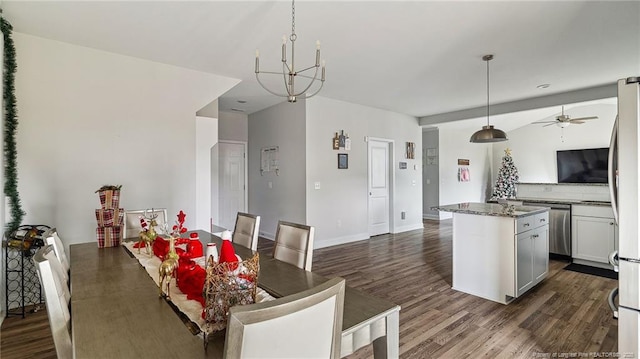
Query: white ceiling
x: 604, y: 109
x: 414, y: 57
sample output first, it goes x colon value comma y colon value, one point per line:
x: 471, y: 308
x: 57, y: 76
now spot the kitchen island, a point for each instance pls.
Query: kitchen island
x: 500, y: 251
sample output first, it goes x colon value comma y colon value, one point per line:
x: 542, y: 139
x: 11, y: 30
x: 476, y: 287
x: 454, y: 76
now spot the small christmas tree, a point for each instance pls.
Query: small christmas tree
x: 507, y: 178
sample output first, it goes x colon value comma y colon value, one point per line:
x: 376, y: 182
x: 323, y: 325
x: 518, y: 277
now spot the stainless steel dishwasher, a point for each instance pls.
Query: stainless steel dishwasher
x: 559, y: 227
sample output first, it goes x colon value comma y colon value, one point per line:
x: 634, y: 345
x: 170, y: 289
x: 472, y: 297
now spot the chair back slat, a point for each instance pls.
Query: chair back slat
x: 303, y: 325
x: 52, y: 238
x: 246, y: 230
x: 132, y: 225
x: 294, y: 244
x: 57, y: 304
x: 59, y: 274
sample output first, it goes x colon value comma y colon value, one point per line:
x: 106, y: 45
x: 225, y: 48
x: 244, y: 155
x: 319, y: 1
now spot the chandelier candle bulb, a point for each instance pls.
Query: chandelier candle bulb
x: 284, y: 48
x: 323, y: 65
x: 257, y: 61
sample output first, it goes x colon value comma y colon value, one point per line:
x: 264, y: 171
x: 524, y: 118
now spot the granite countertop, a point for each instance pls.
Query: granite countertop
x: 492, y: 209
x: 564, y: 184
x: 564, y: 201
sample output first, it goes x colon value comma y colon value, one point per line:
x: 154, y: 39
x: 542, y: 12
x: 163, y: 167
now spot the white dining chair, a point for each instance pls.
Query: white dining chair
x: 245, y: 232
x: 59, y: 272
x: 132, y: 225
x: 52, y: 238
x: 56, y: 301
x: 294, y: 244
x: 307, y: 324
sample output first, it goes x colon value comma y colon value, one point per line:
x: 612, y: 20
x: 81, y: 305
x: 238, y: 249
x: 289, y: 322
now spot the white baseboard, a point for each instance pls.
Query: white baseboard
x: 341, y: 240
x: 431, y: 216
x: 270, y: 236
x: 411, y: 227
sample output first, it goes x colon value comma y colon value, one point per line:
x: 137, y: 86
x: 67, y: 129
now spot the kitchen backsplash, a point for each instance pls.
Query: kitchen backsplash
x: 581, y: 192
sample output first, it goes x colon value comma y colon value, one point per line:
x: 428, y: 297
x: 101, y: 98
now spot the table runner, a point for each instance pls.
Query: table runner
x: 190, y: 308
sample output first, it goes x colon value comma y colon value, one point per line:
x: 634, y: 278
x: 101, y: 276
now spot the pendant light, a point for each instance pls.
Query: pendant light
x: 488, y: 133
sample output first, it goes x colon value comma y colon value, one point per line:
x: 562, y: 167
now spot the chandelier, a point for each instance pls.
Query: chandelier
x: 289, y: 72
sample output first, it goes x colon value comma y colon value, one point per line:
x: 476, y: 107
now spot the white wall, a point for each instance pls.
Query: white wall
x: 533, y: 147
x: 206, y: 138
x: 454, y: 145
x: 210, y: 110
x: 233, y: 126
x: 89, y: 118
x: 278, y: 197
x: 338, y: 209
x: 430, y: 175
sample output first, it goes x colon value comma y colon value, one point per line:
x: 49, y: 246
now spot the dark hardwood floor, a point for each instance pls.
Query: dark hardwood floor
x: 567, y: 314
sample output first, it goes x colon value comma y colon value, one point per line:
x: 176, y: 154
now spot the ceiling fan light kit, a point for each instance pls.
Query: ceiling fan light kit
x: 563, y: 121
x: 488, y: 133
x: 289, y: 72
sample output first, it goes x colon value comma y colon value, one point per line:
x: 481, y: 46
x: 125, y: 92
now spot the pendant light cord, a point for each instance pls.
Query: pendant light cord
x: 488, y: 58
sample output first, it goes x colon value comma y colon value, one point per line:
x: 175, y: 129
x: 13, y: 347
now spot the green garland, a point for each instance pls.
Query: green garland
x: 10, y: 128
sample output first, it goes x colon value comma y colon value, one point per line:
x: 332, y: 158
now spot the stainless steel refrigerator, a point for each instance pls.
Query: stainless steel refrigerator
x: 624, y: 153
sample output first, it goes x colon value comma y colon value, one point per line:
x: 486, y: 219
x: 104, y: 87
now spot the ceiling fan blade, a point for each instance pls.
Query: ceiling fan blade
x: 584, y: 118
x: 551, y: 124
x: 578, y: 122
x: 544, y: 122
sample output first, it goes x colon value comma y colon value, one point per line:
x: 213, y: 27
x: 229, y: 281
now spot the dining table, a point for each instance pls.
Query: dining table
x: 116, y: 310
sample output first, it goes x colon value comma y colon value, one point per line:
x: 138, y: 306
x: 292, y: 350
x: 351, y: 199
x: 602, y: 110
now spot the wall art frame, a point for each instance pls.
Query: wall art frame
x: 343, y: 161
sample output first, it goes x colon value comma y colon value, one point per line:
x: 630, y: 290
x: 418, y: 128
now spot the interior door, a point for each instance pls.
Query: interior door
x: 379, y: 186
x: 232, y: 190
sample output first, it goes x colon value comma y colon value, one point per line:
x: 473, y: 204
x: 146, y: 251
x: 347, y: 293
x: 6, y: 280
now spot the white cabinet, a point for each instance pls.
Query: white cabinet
x: 593, y: 235
x: 532, y: 252
x: 499, y: 257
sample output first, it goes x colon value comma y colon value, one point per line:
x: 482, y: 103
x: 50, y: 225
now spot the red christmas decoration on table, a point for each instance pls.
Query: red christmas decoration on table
x: 227, y: 253
x: 160, y: 247
x: 178, y: 228
x: 191, y: 279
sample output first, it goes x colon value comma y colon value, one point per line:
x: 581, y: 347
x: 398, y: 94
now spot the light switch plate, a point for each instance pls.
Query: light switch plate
x: 316, y: 185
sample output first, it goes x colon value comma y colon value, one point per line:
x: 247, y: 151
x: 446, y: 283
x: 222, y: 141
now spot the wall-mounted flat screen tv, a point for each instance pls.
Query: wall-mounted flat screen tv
x: 583, y: 166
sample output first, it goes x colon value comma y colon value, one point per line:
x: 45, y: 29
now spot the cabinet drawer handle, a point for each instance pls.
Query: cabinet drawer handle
x: 535, y: 236
x: 542, y: 220
x: 526, y: 225
x: 611, y: 223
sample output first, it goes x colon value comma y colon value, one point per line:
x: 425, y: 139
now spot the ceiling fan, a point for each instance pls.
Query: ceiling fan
x: 563, y: 120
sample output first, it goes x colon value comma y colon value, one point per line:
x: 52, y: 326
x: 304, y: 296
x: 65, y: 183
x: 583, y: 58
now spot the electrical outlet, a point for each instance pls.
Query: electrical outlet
x: 339, y: 223
x: 403, y: 215
x: 316, y: 185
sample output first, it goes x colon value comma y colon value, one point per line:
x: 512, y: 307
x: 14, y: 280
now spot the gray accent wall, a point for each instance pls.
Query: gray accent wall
x: 338, y: 207
x: 430, y: 173
x: 278, y: 196
x: 233, y: 126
